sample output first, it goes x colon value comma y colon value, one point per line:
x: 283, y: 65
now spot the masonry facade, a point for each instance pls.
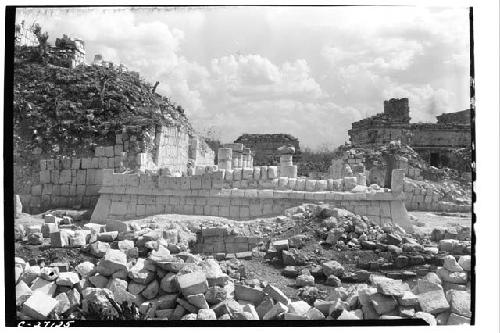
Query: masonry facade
x: 433, y: 141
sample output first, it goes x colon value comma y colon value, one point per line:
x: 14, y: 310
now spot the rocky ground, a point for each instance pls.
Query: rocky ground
x: 314, y: 262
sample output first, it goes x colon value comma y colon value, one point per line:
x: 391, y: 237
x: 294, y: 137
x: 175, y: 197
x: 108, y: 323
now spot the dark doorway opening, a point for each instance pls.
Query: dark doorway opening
x: 434, y: 159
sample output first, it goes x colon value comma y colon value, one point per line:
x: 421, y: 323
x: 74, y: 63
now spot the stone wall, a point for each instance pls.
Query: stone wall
x: 200, y: 152
x: 129, y: 196
x: 24, y: 35
x: 173, y: 147
x: 451, y: 130
x: 460, y: 117
x: 220, y: 240
x: 421, y: 196
x: 73, y: 182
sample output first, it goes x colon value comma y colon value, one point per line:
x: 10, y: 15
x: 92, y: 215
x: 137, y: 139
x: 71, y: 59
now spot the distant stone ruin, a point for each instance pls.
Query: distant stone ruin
x: 265, y: 146
x: 435, y: 142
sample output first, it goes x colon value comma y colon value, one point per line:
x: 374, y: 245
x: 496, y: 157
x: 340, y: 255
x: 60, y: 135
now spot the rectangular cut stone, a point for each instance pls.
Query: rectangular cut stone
x: 75, y: 163
x: 118, y: 208
x: 39, y: 306
x: 322, y: 185
x: 272, y: 172
x: 192, y: 283
x: 397, y: 180
x: 247, y: 173
x: 289, y: 171
x: 300, y: 184
x: 237, y: 174
x: 310, y: 185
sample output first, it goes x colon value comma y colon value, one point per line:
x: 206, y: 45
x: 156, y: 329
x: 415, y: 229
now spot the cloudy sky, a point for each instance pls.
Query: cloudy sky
x: 309, y: 72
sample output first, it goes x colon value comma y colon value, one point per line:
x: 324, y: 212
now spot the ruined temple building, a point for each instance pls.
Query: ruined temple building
x: 91, y: 118
x: 433, y: 141
x: 265, y: 147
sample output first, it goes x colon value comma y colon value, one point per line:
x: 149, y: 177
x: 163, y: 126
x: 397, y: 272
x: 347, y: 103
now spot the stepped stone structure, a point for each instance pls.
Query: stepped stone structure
x: 433, y: 141
x: 265, y: 146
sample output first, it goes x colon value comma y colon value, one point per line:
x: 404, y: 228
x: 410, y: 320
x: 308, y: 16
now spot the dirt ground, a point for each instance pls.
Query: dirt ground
x: 439, y: 220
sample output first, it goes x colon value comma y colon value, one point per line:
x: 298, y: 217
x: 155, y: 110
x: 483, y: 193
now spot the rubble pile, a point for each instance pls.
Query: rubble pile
x: 182, y: 286
x: 147, y: 271
x: 439, y: 196
x: 399, y: 254
x: 66, y: 112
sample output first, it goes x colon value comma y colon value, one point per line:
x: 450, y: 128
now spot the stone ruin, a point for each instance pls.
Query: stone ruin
x: 265, y: 146
x: 146, y: 271
x: 435, y: 142
x: 67, y: 52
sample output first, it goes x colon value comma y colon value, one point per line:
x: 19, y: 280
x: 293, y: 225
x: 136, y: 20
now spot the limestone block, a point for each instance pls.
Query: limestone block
x: 23, y: 292
x: 272, y: 172
x: 350, y: 183
x: 225, y: 154
x: 48, y: 228
x: 300, y: 184
x: 237, y: 174
x: 310, y: 185
x: 286, y: 160
x: 61, y: 238
x: 75, y: 163
x: 322, y: 185
x: 43, y: 286
x: 289, y: 171
x: 192, y: 283
x: 397, y: 180
x: 39, y: 306
x: 45, y: 177
x: 109, y: 151
x: 282, y: 182
x: 65, y: 177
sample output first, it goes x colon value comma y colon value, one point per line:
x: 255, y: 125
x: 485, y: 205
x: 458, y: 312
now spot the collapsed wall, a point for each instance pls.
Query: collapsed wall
x: 435, y: 142
x: 425, y: 188
x: 75, y: 181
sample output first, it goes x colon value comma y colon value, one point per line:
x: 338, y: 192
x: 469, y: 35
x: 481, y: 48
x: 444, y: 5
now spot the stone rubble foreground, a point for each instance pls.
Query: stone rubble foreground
x: 147, y: 272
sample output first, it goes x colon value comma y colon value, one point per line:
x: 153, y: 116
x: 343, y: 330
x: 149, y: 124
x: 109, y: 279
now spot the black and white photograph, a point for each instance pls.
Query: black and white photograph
x: 244, y: 165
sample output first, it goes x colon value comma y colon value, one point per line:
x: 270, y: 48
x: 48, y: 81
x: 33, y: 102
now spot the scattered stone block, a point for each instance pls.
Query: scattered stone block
x: 192, y: 283
x: 23, y: 292
x: 245, y: 293
x: 68, y: 279
x: 304, y: 280
x: 453, y: 277
x: 333, y: 268
x: 151, y: 290
x: 451, y: 264
x: 206, y: 314
x: 465, y: 262
x: 275, y: 311
x: 455, y: 319
x: 383, y: 304
x: 276, y: 294
x: 460, y: 302
x: 198, y: 300
x: 429, y: 318
x: 433, y: 301
x: 392, y: 287
x: 299, y: 308
x: 39, y: 305
x: 63, y: 303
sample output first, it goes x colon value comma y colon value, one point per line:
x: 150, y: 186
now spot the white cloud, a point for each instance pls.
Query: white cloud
x: 309, y: 72
x: 255, y: 76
